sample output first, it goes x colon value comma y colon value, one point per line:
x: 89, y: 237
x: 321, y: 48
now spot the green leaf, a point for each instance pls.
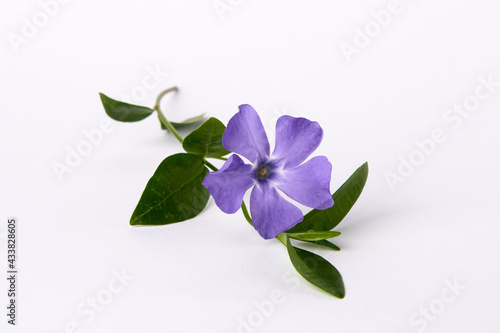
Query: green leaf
x: 344, y: 198
x: 174, y: 193
x: 316, y: 270
x: 325, y: 243
x: 123, y: 111
x: 206, y: 140
x: 186, y: 122
x: 313, y: 236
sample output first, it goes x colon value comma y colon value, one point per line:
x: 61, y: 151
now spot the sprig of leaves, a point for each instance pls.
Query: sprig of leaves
x: 175, y: 192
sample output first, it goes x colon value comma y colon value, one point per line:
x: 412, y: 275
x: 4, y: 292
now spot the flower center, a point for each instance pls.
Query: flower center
x: 263, y: 171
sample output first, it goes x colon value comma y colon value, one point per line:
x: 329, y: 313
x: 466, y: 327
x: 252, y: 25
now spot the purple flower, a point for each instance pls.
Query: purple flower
x: 308, y: 183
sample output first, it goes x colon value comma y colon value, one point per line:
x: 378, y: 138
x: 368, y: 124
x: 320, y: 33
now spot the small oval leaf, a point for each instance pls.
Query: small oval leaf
x: 325, y: 243
x: 313, y: 236
x: 123, y: 111
x: 187, y: 122
x: 174, y: 193
x: 316, y: 270
x: 206, y: 140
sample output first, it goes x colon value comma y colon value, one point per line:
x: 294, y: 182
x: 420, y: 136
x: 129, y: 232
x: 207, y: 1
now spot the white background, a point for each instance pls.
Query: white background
x: 400, y: 248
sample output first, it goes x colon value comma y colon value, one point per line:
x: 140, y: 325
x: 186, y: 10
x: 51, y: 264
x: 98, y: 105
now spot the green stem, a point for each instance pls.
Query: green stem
x: 161, y: 116
x: 245, y: 213
x: 163, y: 93
x: 220, y: 158
x: 210, y: 165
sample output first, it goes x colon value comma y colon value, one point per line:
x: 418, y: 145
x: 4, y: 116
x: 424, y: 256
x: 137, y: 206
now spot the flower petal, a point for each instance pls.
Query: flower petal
x: 245, y: 135
x: 271, y: 213
x: 229, y: 184
x: 309, y: 184
x: 296, y: 139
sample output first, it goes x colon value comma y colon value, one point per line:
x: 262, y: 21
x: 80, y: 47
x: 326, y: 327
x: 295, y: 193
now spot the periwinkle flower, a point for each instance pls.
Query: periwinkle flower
x: 307, y: 183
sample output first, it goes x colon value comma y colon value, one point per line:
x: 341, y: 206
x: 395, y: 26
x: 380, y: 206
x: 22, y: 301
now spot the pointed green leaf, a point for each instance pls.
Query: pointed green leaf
x: 174, y: 193
x: 187, y: 122
x: 316, y: 270
x: 325, y: 243
x: 206, y: 140
x: 123, y: 111
x: 344, y: 198
x: 313, y: 236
